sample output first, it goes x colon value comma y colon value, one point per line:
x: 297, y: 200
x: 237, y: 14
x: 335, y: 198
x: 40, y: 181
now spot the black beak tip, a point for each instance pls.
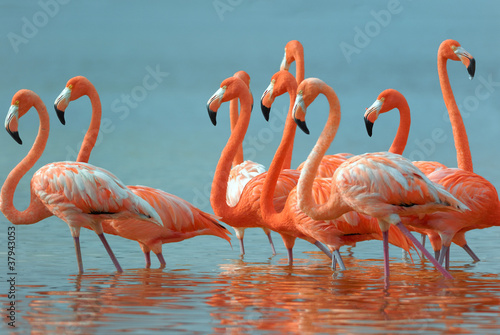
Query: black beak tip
x: 369, y: 127
x: 471, y: 69
x: 213, y: 116
x: 15, y: 136
x: 60, y: 115
x: 302, y: 125
x: 265, y: 111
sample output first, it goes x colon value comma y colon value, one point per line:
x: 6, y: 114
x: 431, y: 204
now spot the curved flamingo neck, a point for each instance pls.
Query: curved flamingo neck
x: 308, y: 173
x: 36, y: 211
x: 464, y: 159
x: 299, y: 68
x: 279, y: 161
x: 233, y: 117
x: 95, y: 123
x: 401, y: 138
x: 219, y: 183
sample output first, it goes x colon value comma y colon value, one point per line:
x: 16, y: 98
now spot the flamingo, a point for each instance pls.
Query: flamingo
x: 246, y: 213
x: 78, y: 193
x: 242, y: 171
x: 386, y: 101
x: 291, y: 222
x: 180, y: 220
x: 448, y: 50
x: 382, y: 185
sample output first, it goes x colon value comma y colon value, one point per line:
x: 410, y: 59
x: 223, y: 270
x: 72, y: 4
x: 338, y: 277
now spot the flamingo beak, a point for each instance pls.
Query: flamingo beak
x: 267, y: 93
x: 214, y: 103
x: 299, y: 112
x: 62, y: 101
x: 467, y: 59
x: 11, y: 123
x: 371, y: 115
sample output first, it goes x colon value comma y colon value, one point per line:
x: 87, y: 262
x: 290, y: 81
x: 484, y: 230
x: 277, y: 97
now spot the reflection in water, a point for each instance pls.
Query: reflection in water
x: 246, y: 297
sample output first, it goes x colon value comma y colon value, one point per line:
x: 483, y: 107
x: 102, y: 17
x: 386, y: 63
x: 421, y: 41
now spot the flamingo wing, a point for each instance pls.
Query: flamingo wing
x: 239, y: 176
x: 73, y: 190
x: 381, y: 184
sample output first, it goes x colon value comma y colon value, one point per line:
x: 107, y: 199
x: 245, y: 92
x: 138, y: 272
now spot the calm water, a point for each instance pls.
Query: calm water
x: 163, y: 138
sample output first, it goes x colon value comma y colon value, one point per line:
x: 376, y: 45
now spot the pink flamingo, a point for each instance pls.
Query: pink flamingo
x: 291, y: 222
x: 246, y: 213
x: 78, y: 193
x: 383, y: 185
x: 242, y: 171
x: 386, y: 101
x: 179, y: 219
x: 448, y: 50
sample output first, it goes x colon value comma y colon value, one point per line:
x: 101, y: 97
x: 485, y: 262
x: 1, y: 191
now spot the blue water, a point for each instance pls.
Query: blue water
x: 162, y: 137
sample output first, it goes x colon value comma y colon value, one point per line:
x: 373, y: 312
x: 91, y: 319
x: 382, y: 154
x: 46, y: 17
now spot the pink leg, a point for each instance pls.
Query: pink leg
x: 442, y: 255
x: 271, y: 242
x: 438, y: 266
x: 385, y: 236
x: 447, y: 260
x: 76, y: 239
x: 110, y: 252
x: 162, y: 260
x: 148, y: 259
x: 436, y: 254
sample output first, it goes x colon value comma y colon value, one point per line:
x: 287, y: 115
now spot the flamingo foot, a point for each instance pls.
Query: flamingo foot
x: 471, y: 253
x: 271, y: 242
x: 110, y: 252
x: 385, y: 236
x: 438, y: 266
x: 162, y: 260
x: 76, y: 239
x: 148, y: 260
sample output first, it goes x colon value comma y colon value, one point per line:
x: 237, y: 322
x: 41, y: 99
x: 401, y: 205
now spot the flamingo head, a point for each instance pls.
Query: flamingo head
x: 230, y: 88
x: 281, y: 82
x: 386, y: 101
x: 451, y: 49
x: 307, y: 91
x: 246, y: 79
x: 22, y: 101
x: 292, y: 49
x: 75, y: 88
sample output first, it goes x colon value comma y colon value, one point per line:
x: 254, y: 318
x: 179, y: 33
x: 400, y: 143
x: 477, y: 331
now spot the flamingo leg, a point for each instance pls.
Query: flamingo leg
x: 290, y: 256
x: 436, y: 254
x: 110, y: 252
x: 162, y: 260
x: 422, y: 237
x: 385, y: 236
x: 268, y: 233
x: 338, y: 258
x: 147, y: 257
x: 447, y: 260
x: 442, y: 255
x: 438, y: 266
x: 323, y: 248
x: 471, y: 253
x: 242, y: 247
x: 76, y: 239
x: 334, y: 262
